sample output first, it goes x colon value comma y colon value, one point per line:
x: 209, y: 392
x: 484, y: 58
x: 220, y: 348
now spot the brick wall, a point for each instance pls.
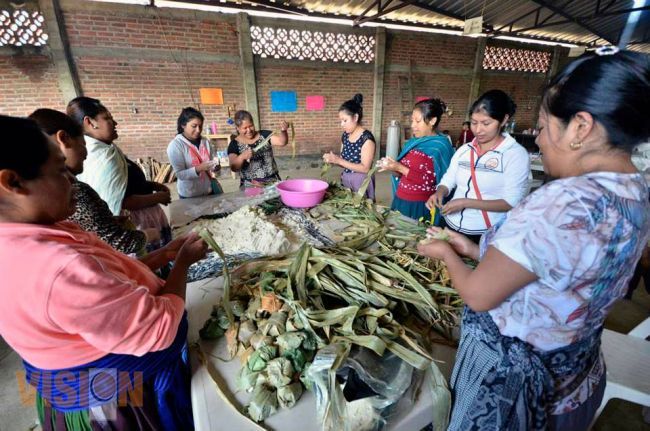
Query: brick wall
x: 525, y: 90
x: 28, y: 82
x: 146, y: 64
x: 316, y: 131
x: 441, y: 66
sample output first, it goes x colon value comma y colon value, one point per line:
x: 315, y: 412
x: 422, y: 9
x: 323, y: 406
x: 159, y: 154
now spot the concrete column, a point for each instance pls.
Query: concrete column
x: 248, y: 66
x: 378, y: 89
x: 555, y: 61
x: 476, y: 75
x: 68, y: 78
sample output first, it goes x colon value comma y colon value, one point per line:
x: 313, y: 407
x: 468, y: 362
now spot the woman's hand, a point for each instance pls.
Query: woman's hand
x: 191, y: 249
x: 246, y: 155
x: 206, y: 166
x: 331, y: 158
x: 454, y: 206
x: 164, y: 198
x: 459, y: 242
x: 435, y: 200
x: 283, y: 126
x: 436, y: 249
x: 389, y: 164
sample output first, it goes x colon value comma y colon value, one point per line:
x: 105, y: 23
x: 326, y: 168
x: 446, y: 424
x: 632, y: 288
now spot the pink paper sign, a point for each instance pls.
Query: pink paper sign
x: 421, y: 98
x: 315, y: 103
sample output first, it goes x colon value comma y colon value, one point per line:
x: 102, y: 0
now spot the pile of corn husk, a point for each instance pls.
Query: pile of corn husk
x: 371, y: 290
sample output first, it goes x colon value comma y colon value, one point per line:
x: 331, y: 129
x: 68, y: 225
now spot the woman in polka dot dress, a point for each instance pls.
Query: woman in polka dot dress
x: 357, y: 148
x: 422, y: 162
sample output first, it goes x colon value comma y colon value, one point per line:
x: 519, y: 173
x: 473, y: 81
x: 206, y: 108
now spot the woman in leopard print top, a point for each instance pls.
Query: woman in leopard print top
x: 92, y: 213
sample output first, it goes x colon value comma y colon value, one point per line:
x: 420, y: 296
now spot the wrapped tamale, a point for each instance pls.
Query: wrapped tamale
x: 304, y: 378
x: 263, y: 403
x: 246, y: 379
x: 211, y: 330
x: 289, y: 395
x: 258, y: 340
x: 253, y: 306
x: 247, y: 329
x: 274, y: 325
x: 279, y: 372
x: 238, y: 307
x: 297, y: 358
x: 289, y: 341
x: 258, y: 360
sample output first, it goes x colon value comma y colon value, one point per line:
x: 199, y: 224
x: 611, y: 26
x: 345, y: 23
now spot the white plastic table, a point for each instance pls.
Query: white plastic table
x: 211, y: 412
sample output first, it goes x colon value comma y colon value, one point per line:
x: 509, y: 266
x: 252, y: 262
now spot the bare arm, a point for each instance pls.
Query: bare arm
x: 367, y: 156
x: 137, y: 202
x: 495, y: 205
x: 495, y: 279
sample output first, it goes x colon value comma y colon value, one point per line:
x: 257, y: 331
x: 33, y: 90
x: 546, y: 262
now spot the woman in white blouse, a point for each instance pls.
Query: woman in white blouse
x: 192, y: 157
x: 489, y: 174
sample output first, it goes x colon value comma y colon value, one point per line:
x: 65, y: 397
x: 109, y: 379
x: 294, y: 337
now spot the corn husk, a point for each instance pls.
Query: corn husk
x: 290, y: 341
x: 274, y: 325
x: 231, y: 340
x: 271, y: 303
x: 279, y: 372
x: 304, y: 378
x: 253, y: 305
x: 245, y: 355
x: 247, y: 329
x: 238, y: 307
x: 289, y: 395
x: 263, y: 403
x: 246, y: 379
x: 297, y: 357
x: 211, y: 330
x: 258, y: 340
x: 258, y: 360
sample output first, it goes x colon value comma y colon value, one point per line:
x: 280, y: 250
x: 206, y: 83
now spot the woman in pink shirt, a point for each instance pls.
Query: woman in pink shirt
x: 102, y: 338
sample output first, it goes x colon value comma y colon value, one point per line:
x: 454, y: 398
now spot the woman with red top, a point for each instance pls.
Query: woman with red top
x: 422, y: 162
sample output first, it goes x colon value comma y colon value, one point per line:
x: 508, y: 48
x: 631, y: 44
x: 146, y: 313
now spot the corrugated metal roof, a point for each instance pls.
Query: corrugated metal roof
x: 510, y: 16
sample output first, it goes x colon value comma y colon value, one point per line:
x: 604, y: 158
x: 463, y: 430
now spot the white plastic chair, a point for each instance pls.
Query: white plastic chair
x: 628, y: 366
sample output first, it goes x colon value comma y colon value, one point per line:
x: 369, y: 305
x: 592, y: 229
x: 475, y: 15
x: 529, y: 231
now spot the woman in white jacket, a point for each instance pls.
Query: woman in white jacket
x: 489, y: 175
x: 192, y: 157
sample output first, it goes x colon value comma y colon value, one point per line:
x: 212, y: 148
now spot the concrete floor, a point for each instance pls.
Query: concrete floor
x: 16, y: 415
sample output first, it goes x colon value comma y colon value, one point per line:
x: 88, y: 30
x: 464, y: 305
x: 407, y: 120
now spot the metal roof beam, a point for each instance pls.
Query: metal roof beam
x: 382, y: 10
x: 439, y: 10
x: 514, y: 21
x: 578, y: 21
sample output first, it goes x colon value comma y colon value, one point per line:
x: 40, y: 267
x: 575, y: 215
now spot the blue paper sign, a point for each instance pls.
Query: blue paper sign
x: 284, y: 101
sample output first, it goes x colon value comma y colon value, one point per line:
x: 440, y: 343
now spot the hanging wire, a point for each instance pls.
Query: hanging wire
x: 184, y: 64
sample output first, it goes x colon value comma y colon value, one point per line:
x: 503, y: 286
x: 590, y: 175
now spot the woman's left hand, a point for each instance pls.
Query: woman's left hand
x: 390, y: 164
x: 436, y: 249
x: 331, y: 158
x: 171, y: 249
x: 284, y: 126
x: 454, y: 206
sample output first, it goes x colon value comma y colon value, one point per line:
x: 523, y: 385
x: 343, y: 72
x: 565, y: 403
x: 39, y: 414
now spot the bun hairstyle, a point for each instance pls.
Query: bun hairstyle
x: 187, y: 114
x: 496, y: 103
x: 353, y: 106
x: 430, y: 109
x: 613, y: 87
x: 81, y: 107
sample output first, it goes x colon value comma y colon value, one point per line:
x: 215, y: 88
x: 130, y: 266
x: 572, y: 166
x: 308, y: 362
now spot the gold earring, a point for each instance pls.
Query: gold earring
x: 575, y: 145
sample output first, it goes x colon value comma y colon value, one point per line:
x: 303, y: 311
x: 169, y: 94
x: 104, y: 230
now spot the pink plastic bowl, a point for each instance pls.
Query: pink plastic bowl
x: 302, y: 193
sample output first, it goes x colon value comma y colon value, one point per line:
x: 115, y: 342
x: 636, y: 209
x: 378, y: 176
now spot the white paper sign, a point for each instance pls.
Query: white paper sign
x: 473, y: 26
